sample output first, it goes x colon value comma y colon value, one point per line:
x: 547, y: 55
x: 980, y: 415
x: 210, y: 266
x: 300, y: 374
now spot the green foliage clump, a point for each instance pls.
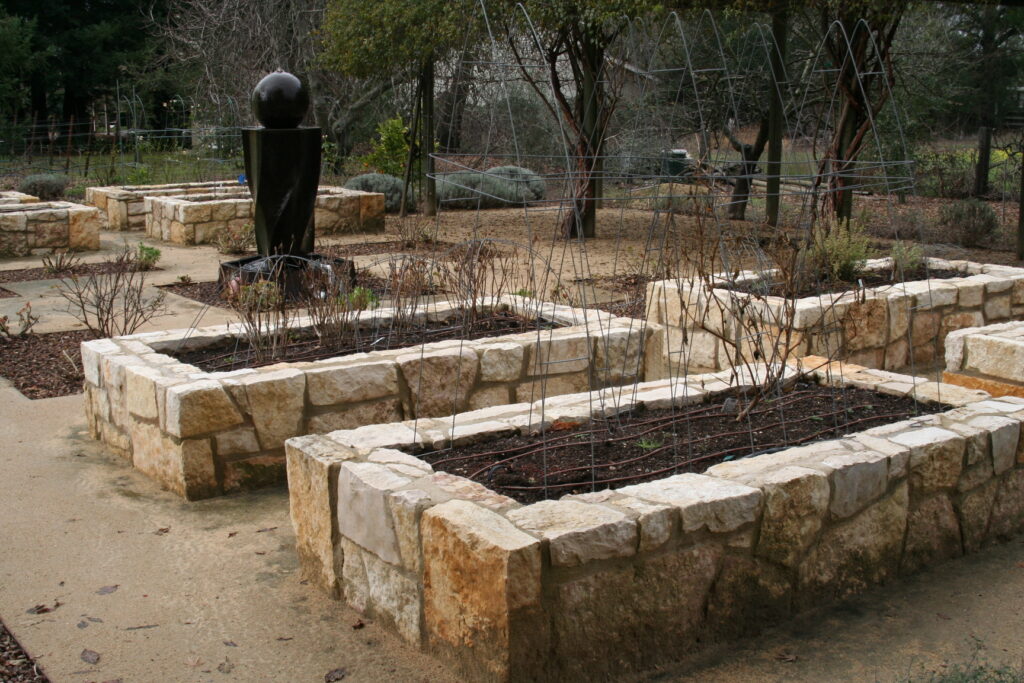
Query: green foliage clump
x: 496, y: 187
x: 388, y: 185
x: 971, y: 221
x: 944, y: 174
x: 390, y: 150
x: 46, y: 186
x: 906, y: 257
x: 148, y: 257
x: 837, y: 251
x: 361, y: 299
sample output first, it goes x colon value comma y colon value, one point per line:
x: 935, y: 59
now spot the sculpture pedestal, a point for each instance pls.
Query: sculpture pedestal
x: 282, y: 168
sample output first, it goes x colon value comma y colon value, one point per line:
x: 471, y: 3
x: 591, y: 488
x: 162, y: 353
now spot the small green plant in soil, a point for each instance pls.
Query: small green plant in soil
x: 523, y: 292
x: 148, y: 257
x: 907, y: 257
x: 362, y: 299
x: 837, y: 251
x: 648, y: 444
x: 185, y: 279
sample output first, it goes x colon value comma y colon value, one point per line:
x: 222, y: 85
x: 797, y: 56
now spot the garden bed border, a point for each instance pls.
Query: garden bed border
x: 598, y: 584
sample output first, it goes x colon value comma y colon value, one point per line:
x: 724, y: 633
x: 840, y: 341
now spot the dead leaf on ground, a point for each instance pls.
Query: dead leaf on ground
x: 107, y: 590
x: 232, y: 534
x: 269, y: 528
x: 358, y: 625
x: 162, y: 530
x: 230, y: 643
x: 90, y: 656
x: 226, y: 666
x: 43, y: 609
x: 83, y: 624
x: 283, y: 639
x: 335, y: 675
x: 942, y: 616
x: 787, y: 657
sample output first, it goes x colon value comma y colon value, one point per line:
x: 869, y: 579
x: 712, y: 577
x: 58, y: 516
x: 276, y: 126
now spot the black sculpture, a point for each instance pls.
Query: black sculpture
x: 282, y: 166
x: 282, y: 169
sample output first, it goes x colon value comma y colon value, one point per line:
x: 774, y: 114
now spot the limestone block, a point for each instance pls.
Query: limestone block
x: 558, y: 352
x: 554, y: 385
x: 795, y: 501
x: 501, y: 362
x: 376, y: 436
x: 223, y: 210
x: 237, y: 442
x: 747, y: 594
x: 960, y: 320
x: 656, y: 522
x: 481, y: 586
x: 997, y: 308
x: 936, y: 457
x: 353, y: 416
x: 857, y: 479
x: 975, y: 509
x: 276, y: 401
x: 379, y: 590
x: 486, y: 397
x: 464, y: 489
x: 933, y: 534
x: 349, y: 384
x: 84, y: 229
x: 1008, y: 511
x: 92, y: 352
x: 619, y: 354
x: 718, y: 504
x: 407, y: 507
x: 860, y: 552
x: 578, y: 533
x: 439, y: 381
x: 896, y: 355
x: 1004, y: 434
x: 971, y: 292
x: 364, y: 515
x: 995, y: 356
x: 200, y: 407
x: 312, y: 464
x: 924, y: 327
x: 866, y: 324
x: 466, y: 434
x: 140, y: 390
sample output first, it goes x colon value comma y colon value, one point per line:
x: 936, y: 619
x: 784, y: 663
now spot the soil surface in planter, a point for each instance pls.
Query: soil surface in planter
x: 307, y: 347
x: 29, y: 274
x: 44, y: 365
x: 432, y: 249
x: 15, y: 665
x: 209, y: 292
x: 646, y: 445
x: 867, y: 278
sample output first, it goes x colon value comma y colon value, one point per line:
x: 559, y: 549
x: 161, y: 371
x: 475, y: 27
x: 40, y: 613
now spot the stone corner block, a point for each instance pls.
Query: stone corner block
x: 577, y: 532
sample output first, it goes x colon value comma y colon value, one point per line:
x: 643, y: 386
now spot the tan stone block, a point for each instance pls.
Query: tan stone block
x: 703, y: 501
x: 975, y: 509
x: 380, y: 591
x: 866, y: 324
x: 481, y: 587
x: 1004, y: 435
x: 223, y: 210
x: 959, y: 321
x: 578, y: 533
x: 486, y: 397
x: 84, y: 229
x: 997, y: 308
x: 439, y: 381
x: 936, y: 457
x: 353, y: 383
x: 795, y: 502
x: 860, y: 552
x: 464, y: 489
x: 312, y: 466
x: 995, y: 356
x: 358, y: 415
x: 747, y: 595
x: 552, y: 386
x: 276, y: 401
x: 933, y: 534
x: 198, y: 408
x: 364, y: 515
x: 924, y: 328
x: 237, y: 441
x: 857, y: 479
x: 559, y: 353
x: 618, y: 354
x: 1008, y: 511
x: 140, y: 391
x: 501, y: 362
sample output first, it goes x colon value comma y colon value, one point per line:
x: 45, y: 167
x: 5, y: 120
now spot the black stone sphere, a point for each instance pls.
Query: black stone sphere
x: 280, y: 101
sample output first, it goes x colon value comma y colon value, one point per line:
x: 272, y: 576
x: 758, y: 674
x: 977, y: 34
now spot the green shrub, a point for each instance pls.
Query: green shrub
x: 496, y: 187
x: 971, y: 221
x: 944, y: 174
x: 390, y: 150
x: 148, y: 257
x: 837, y: 250
x: 907, y: 257
x: 388, y: 185
x: 46, y: 186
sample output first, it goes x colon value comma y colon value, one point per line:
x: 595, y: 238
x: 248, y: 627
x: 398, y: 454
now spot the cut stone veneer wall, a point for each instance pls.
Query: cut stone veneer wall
x: 886, y: 327
x: 45, y: 227
x: 17, y: 198
x: 124, y: 205
x: 989, y: 358
x: 198, y: 219
x: 201, y: 434
x: 590, y: 586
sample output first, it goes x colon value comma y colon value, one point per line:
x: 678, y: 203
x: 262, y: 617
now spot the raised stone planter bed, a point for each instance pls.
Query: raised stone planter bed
x: 591, y: 586
x: 989, y: 358
x: 17, y: 198
x: 199, y: 218
x: 201, y: 434
x: 887, y: 327
x: 124, y: 205
x: 45, y: 227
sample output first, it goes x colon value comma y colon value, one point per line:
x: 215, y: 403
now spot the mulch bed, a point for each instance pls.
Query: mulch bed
x: 829, y: 286
x: 308, y: 348
x: 7, y: 294
x: 209, y: 292
x: 38, y: 364
x: 433, y: 249
x: 29, y: 274
x: 15, y: 665
x: 648, y: 445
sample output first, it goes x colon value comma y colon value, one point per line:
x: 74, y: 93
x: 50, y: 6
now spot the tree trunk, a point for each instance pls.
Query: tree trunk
x: 749, y: 155
x: 984, y: 160
x: 588, y: 147
x: 1020, y: 211
x: 773, y: 169
x: 427, y: 145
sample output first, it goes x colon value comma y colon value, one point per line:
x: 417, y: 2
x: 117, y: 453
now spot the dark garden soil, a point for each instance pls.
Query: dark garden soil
x: 433, y: 249
x: 648, y: 445
x: 15, y: 665
x: 6, y: 293
x: 809, y: 287
x: 308, y: 348
x: 209, y: 292
x: 29, y: 274
x: 44, y: 365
